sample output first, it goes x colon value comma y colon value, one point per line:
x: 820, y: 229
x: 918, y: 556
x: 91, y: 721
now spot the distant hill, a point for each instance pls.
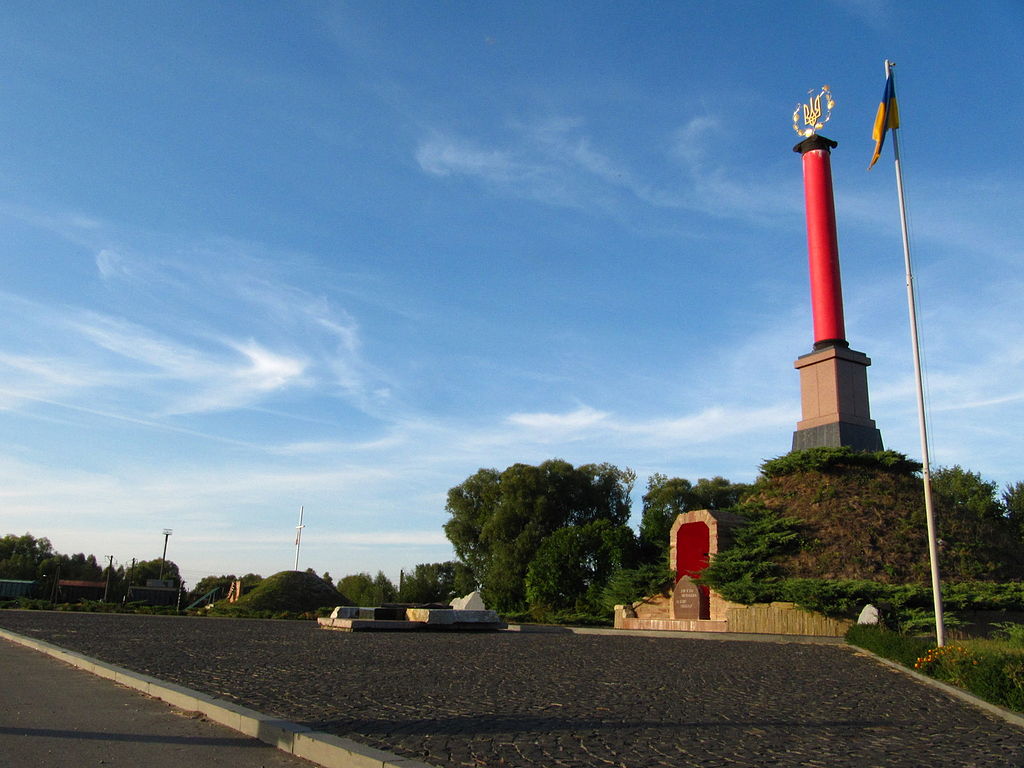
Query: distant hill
x: 293, y: 591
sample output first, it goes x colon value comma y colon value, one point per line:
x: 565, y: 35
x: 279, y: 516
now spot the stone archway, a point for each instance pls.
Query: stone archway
x: 695, y: 538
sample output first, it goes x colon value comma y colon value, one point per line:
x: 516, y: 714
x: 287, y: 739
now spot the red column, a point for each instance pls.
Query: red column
x: 822, y: 243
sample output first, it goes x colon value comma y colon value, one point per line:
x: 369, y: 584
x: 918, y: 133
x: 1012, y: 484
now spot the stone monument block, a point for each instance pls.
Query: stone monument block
x: 688, y: 600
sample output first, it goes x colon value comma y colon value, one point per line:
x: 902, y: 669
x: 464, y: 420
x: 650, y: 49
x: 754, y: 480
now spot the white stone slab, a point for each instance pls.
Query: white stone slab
x: 471, y: 602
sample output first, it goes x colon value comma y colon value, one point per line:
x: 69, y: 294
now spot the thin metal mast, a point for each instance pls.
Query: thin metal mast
x: 933, y: 549
x: 298, y: 538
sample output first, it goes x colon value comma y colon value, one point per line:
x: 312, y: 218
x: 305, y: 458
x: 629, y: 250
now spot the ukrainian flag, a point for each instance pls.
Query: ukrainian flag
x: 888, y: 117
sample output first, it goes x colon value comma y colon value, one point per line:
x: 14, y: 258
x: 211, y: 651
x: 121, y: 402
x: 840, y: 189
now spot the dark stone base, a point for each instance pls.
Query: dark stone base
x: 838, y: 434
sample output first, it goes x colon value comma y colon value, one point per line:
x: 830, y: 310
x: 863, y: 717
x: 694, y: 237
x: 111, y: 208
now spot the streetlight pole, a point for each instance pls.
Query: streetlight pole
x: 163, y: 559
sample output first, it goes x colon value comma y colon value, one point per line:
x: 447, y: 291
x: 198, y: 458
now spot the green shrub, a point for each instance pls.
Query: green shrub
x: 888, y: 644
x: 32, y: 604
x: 627, y: 585
x: 1011, y: 632
x: 827, y: 459
x: 921, y: 621
x: 984, y: 596
x: 995, y: 676
x: 766, y: 536
x: 949, y: 663
x: 905, y: 606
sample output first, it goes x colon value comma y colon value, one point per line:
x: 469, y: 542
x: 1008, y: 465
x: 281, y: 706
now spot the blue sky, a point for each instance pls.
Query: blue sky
x: 258, y: 256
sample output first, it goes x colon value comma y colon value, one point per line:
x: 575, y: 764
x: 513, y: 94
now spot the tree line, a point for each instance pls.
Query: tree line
x: 544, y: 539
x: 28, y: 558
x: 554, y: 538
x: 424, y: 583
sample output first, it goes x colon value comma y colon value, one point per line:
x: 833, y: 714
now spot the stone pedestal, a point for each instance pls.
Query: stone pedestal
x: 834, y: 401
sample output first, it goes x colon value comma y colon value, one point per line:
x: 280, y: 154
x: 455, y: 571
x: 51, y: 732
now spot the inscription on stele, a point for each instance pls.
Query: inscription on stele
x: 686, y: 599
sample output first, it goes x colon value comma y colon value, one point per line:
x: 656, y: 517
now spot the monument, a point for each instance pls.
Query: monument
x: 696, y: 537
x: 833, y: 378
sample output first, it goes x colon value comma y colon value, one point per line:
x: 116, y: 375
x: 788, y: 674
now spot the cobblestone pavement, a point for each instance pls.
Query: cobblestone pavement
x: 553, y: 700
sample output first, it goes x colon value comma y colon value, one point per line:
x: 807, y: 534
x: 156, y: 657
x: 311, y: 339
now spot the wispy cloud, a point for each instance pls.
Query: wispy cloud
x: 554, y: 161
x: 111, y: 264
x: 692, y: 142
x: 446, y: 156
x: 189, y: 328
x: 230, y: 375
x: 561, y: 424
x: 702, y: 427
x: 877, y: 14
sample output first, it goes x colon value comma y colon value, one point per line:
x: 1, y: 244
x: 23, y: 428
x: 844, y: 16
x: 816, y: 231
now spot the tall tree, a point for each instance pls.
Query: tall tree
x: 574, y: 564
x: 23, y: 557
x: 499, y: 519
x: 429, y: 583
x: 669, y: 497
x: 363, y: 589
x: 1013, y: 504
x: 979, y: 539
x: 665, y: 500
x: 151, y: 569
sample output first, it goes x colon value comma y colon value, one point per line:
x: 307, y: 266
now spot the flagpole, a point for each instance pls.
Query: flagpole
x: 298, y: 537
x: 933, y: 549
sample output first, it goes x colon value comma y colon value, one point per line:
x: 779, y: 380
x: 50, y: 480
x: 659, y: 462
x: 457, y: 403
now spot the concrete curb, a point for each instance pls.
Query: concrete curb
x: 323, y: 749
x: 1011, y: 717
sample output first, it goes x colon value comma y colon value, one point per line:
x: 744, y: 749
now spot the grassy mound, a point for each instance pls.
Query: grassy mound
x: 861, y: 516
x: 291, y: 591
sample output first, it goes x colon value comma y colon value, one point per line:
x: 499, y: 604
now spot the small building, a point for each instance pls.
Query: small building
x: 77, y: 590
x: 157, y: 592
x: 14, y: 588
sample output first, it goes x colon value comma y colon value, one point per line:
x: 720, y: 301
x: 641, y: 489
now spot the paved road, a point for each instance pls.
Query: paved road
x: 53, y: 715
x: 578, y: 701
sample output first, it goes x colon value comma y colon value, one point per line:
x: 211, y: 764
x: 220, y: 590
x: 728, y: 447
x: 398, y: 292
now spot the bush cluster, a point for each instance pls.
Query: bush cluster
x: 830, y: 459
x: 844, y: 598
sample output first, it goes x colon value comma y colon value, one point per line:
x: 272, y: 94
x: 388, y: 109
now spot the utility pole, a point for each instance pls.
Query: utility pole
x: 56, y: 582
x: 110, y: 567
x: 131, y: 580
x: 163, y: 559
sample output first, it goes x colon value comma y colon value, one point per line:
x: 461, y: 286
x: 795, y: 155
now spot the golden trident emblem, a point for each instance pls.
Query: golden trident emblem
x: 813, y: 121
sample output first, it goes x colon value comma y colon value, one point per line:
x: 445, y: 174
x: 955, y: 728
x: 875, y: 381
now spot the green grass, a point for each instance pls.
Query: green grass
x: 992, y: 669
